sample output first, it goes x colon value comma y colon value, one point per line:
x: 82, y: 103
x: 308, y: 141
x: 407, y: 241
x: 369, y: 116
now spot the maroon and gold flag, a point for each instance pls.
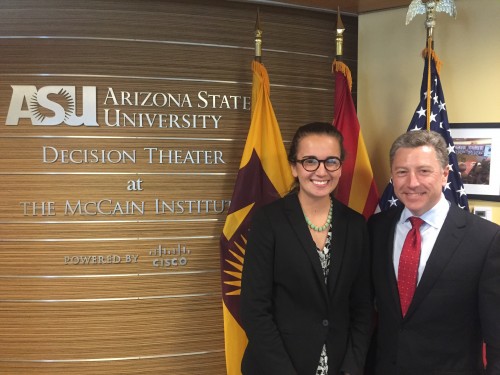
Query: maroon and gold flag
x: 356, y: 187
x: 264, y: 175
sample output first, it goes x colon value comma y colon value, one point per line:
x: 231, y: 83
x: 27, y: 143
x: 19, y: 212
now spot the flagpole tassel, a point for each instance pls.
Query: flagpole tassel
x: 339, y: 66
x: 434, y: 57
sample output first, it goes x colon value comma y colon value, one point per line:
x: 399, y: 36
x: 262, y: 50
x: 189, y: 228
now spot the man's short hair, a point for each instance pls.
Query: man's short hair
x: 418, y: 138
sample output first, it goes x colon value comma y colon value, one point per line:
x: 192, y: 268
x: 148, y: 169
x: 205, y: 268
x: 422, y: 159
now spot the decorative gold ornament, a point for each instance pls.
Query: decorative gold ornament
x: 430, y: 7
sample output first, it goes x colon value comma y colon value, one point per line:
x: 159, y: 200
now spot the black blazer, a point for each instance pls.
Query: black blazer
x: 287, y: 311
x: 456, y: 303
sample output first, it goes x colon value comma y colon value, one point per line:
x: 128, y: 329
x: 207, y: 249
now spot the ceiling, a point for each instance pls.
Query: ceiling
x: 346, y: 6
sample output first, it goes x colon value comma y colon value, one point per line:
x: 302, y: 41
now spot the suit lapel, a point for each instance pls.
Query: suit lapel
x: 390, y: 272
x: 447, y: 242
x: 296, y: 218
x: 338, y: 246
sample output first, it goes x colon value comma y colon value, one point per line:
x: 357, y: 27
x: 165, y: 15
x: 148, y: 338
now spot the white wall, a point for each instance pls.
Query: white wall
x: 390, y: 71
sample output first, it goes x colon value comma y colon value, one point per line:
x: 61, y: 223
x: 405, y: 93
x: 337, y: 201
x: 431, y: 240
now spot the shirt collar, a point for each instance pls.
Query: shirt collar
x: 434, y: 217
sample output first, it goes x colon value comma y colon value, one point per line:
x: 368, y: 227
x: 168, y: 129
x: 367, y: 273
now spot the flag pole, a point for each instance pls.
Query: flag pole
x: 357, y: 188
x: 340, y: 36
x: 429, y: 8
x: 258, y: 38
x: 429, y: 83
x: 430, y: 23
x: 338, y: 65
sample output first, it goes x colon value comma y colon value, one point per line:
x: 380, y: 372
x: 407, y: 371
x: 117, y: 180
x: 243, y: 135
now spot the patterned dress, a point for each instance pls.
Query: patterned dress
x: 324, y: 257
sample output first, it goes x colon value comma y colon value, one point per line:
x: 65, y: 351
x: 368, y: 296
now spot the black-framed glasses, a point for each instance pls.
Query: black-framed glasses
x: 311, y: 164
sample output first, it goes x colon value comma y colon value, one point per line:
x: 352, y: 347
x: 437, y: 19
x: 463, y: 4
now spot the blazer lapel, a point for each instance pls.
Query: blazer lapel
x: 449, y: 238
x: 338, y: 246
x: 296, y: 218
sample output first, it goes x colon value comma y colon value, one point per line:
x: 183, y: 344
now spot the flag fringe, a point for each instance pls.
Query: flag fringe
x: 434, y: 57
x: 339, y: 66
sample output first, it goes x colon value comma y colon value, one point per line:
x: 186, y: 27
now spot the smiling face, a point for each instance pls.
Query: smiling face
x: 320, y: 183
x: 418, y: 178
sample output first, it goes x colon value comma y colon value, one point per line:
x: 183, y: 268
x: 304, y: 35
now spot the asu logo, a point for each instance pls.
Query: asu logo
x: 52, y: 105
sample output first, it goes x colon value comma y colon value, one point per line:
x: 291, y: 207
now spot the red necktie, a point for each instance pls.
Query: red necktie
x: 408, y: 264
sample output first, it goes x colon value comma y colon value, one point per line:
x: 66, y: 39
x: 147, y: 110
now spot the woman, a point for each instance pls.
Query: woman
x: 305, y: 298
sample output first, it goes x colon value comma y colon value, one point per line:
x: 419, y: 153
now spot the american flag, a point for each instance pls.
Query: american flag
x: 454, y: 190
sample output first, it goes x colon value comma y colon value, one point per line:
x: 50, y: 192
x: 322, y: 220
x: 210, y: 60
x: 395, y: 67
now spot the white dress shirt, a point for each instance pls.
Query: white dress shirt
x: 433, y: 221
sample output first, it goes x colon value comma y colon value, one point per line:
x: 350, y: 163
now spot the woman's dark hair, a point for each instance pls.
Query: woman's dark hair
x: 316, y: 128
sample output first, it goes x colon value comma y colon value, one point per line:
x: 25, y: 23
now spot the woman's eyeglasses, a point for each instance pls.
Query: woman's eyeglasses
x: 311, y: 164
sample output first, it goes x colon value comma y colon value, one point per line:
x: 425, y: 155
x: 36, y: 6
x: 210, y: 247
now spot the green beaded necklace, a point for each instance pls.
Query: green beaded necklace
x: 323, y: 227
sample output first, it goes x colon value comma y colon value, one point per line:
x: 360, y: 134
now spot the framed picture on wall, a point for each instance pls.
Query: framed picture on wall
x: 477, y: 146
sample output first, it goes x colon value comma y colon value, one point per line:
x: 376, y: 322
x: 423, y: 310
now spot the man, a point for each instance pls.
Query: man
x: 433, y: 320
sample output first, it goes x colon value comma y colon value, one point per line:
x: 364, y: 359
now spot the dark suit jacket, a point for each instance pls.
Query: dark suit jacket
x: 287, y: 311
x: 456, y: 303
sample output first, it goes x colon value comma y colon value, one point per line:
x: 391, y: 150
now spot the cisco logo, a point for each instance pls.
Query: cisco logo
x: 52, y: 105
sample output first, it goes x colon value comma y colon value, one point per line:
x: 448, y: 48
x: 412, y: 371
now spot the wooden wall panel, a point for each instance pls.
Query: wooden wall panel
x: 193, y: 363
x: 111, y: 329
x: 131, y: 155
x: 52, y: 258
x: 94, y: 279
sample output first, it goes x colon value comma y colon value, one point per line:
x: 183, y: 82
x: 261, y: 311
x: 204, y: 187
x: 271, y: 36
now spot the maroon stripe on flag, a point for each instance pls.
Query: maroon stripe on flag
x: 252, y: 186
x: 371, y: 201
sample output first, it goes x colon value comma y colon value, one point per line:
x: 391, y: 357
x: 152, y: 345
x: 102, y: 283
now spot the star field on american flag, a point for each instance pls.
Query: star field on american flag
x: 454, y: 190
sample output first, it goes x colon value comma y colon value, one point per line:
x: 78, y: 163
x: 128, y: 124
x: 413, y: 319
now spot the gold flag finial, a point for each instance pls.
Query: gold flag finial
x: 430, y: 7
x: 258, y: 38
x: 340, y: 37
